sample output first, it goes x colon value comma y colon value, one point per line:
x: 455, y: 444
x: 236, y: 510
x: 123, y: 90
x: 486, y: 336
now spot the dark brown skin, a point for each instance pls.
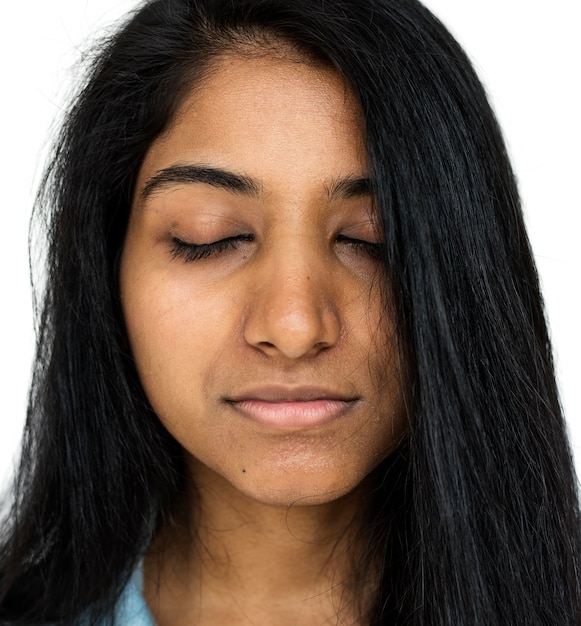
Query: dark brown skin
x: 262, y: 358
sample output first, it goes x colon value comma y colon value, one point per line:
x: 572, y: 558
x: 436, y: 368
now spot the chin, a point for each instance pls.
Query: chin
x: 292, y: 471
x: 299, y: 487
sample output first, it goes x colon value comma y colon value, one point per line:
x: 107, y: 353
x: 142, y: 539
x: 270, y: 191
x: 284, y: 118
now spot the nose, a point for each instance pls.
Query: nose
x: 292, y: 311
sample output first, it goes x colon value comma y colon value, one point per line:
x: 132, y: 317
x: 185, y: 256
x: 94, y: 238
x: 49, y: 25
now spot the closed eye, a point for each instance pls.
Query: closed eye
x: 190, y: 252
x: 372, y: 248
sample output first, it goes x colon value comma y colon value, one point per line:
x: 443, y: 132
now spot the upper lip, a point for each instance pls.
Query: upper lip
x: 284, y: 393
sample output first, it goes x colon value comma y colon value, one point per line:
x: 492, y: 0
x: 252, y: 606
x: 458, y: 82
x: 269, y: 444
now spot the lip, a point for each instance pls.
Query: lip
x: 292, y: 408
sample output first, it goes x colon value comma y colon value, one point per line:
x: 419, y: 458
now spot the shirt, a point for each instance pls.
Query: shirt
x: 131, y: 608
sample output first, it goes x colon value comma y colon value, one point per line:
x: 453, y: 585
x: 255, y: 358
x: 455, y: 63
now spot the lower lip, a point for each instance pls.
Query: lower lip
x: 298, y: 414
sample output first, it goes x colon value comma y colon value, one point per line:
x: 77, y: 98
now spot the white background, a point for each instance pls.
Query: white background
x: 527, y: 52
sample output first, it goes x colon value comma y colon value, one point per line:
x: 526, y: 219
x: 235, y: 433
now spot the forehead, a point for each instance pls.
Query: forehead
x: 276, y: 77
x: 260, y: 114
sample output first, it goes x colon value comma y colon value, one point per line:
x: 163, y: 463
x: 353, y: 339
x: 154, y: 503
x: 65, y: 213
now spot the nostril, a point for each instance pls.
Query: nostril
x: 294, y: 334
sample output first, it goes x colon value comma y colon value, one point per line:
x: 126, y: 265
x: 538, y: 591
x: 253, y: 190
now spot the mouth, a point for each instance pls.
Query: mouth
x: 292, y: 408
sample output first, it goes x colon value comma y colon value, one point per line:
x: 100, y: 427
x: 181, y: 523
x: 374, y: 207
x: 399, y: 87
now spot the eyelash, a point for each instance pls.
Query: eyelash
x: 195, y: 251
x: 374, y: 250
x: 190, y: 252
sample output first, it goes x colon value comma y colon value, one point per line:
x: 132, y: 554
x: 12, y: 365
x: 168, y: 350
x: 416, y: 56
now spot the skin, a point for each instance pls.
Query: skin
x: 292, y: 308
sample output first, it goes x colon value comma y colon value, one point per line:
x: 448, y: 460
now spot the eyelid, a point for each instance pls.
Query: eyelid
x: 190, y: 252
x: 373, y: 248
x: 364, y: 239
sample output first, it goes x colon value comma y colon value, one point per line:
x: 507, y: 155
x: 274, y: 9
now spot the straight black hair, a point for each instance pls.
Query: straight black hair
x: 475, y: 519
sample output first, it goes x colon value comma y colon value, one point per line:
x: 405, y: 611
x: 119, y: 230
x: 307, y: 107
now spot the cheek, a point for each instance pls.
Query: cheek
x: 177, y: 333
x: 384, y: 373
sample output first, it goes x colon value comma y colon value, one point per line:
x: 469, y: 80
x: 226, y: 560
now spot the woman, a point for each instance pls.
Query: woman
x: 293, y: 365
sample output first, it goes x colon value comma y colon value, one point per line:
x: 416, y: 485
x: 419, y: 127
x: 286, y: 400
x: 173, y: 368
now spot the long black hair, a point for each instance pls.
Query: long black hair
x: 475, y: 518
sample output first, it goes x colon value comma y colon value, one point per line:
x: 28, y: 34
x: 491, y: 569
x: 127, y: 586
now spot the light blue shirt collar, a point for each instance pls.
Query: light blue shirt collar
x: 131, y: 608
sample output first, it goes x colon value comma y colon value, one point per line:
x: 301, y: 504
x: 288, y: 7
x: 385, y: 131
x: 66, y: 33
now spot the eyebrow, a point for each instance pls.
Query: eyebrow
x: 175, y: 175
x: 213, y: 176
x: 349, y: 187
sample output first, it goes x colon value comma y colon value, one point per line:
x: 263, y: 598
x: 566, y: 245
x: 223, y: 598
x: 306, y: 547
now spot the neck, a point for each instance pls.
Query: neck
x: 239, y: 561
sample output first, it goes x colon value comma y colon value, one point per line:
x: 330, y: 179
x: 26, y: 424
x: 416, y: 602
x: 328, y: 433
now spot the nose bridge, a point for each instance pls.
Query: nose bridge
x: 293, y: 311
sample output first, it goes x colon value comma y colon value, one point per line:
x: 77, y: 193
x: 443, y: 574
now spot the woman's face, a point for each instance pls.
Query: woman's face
x: 251, y: 287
